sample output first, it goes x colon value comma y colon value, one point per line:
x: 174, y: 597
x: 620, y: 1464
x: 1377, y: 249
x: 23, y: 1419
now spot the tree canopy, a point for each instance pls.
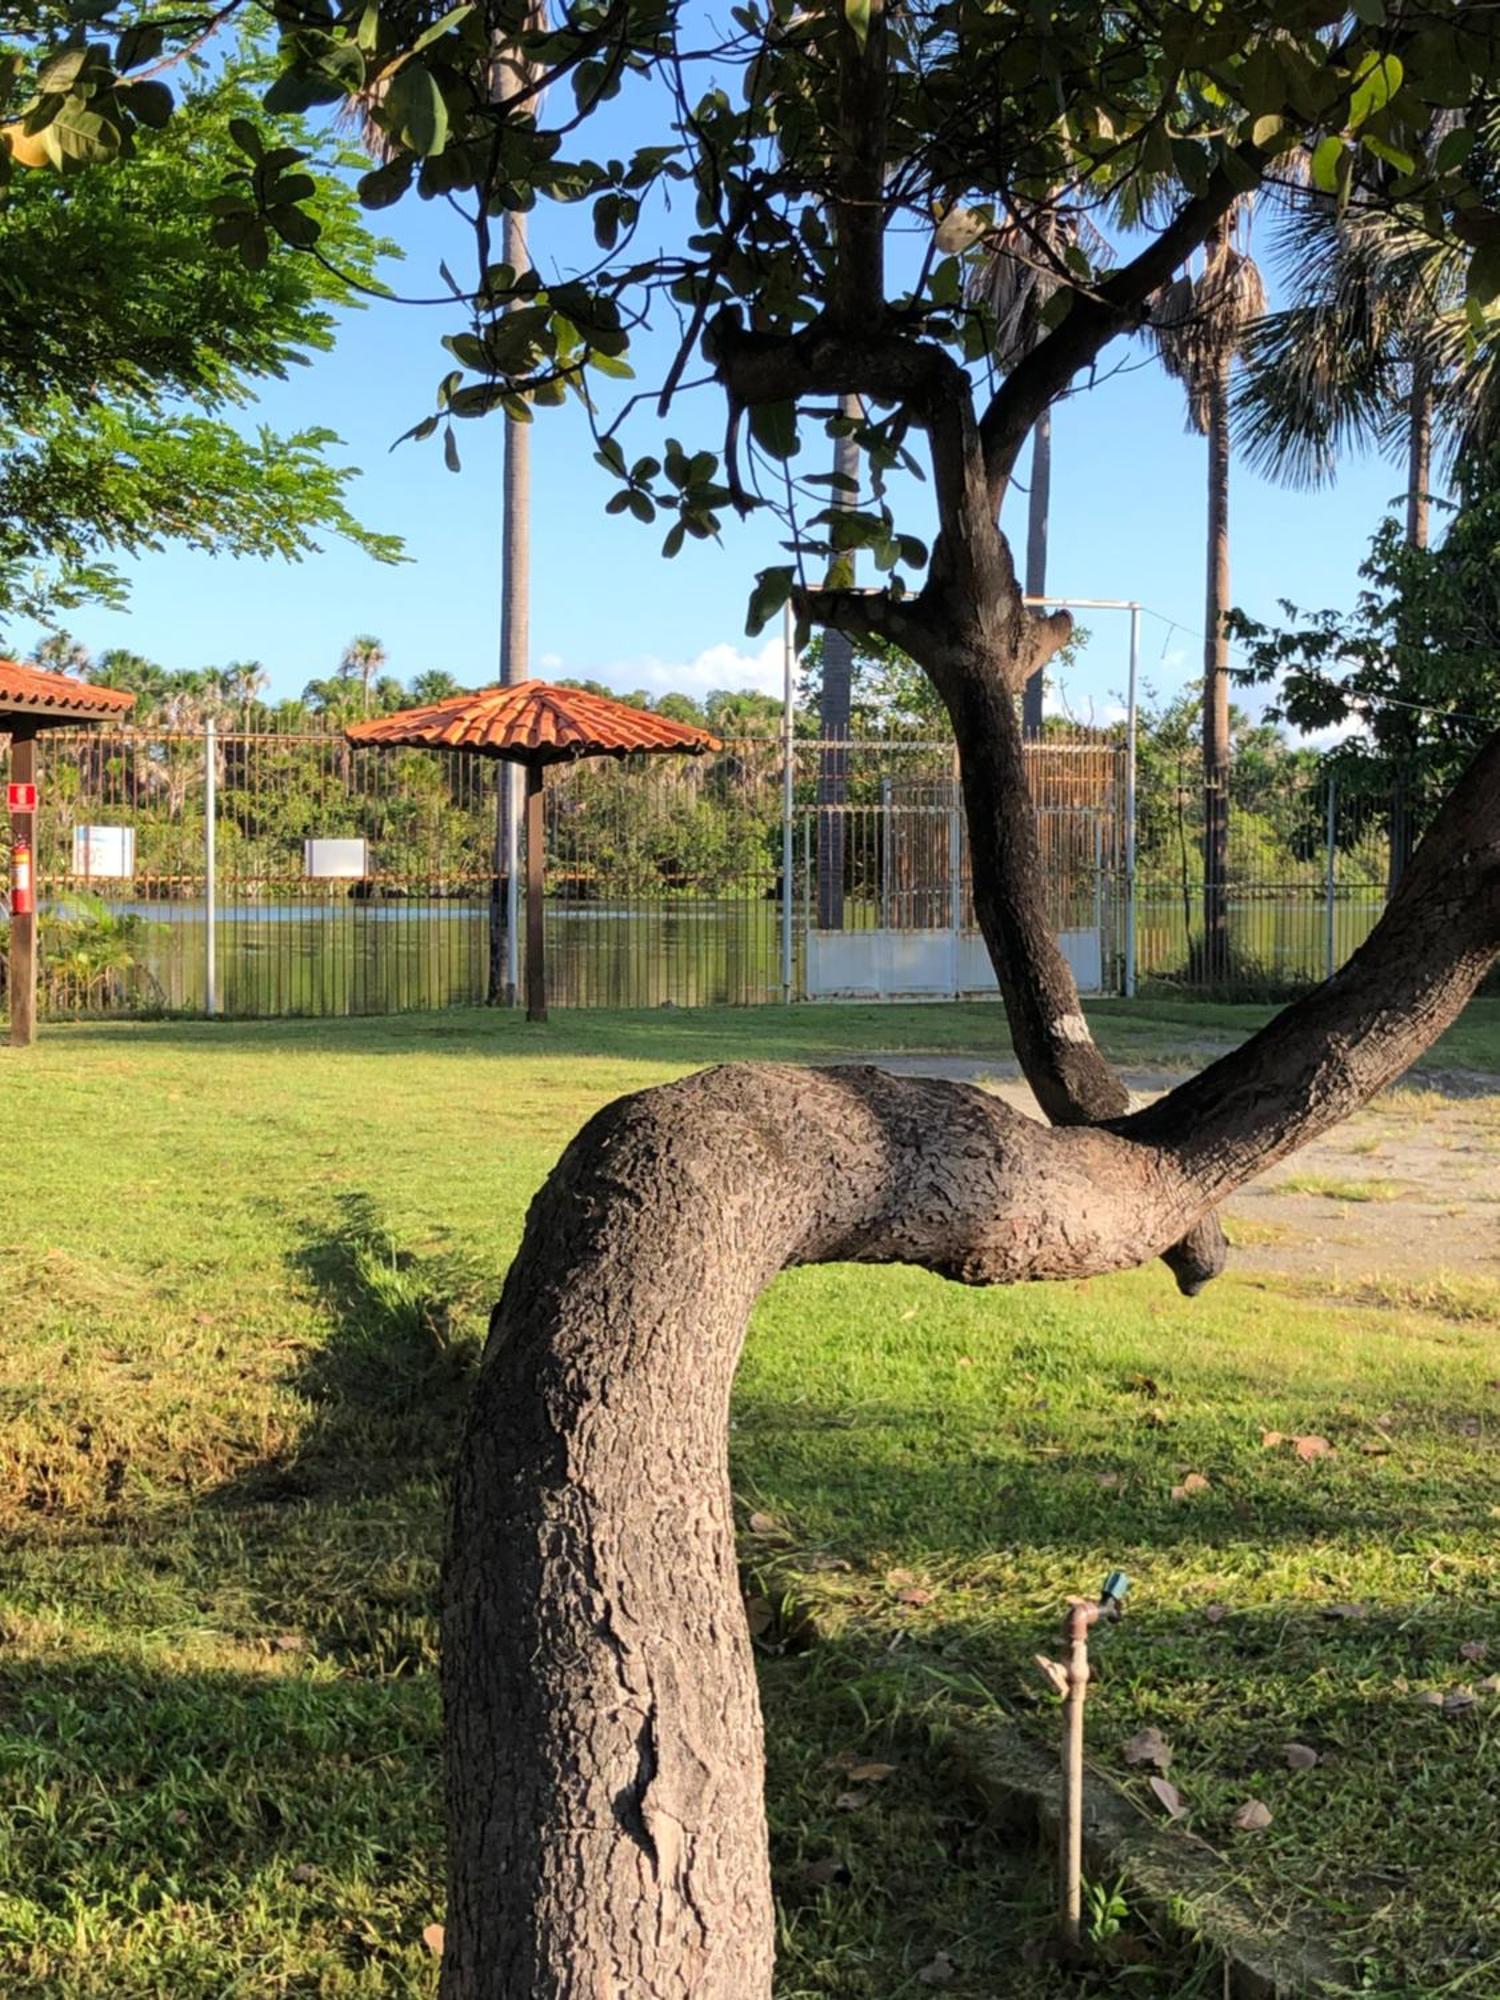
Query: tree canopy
x: 132, y: 339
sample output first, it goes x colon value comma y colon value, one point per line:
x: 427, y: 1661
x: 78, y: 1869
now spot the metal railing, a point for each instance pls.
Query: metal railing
x: 737, y: 878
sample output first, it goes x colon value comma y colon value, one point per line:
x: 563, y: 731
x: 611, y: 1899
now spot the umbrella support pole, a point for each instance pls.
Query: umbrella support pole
x: 536, y: 963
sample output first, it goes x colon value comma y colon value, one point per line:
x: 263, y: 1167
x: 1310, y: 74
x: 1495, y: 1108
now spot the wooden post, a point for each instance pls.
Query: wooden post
x: 23, y: 928
x: 536, y: 950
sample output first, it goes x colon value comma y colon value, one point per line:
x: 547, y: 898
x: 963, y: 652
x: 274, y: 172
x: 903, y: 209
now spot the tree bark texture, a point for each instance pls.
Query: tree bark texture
x: 1038, y: 507
x: 1216, y: 689
x: 1418, y: 455
x: 604, y: 1740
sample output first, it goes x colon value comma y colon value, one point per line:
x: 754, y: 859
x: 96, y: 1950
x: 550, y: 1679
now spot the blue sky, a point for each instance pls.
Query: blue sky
x: 1127, y: 521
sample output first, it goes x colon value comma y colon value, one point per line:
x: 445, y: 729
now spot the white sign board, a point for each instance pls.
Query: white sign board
x: 336, y: 860
x: 104, y: 851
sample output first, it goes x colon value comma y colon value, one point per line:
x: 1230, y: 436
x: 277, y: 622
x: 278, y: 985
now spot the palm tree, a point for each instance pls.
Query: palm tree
x: 436, y: 684
x: 1200, y: 323
x: 1021, y: 265
x: 1375, y: 350
x: 362, y: 660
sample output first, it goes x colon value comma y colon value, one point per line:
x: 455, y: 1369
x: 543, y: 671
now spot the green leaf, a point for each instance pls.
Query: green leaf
x: 1325, y: 163
x: 1455, y: 148
x: 451, y: 20
x: 150, y: 100
x: 141, y: 43
x: 642, y: 508
x: 385, y: 185
x: 1376, y: 82
x: 772, y: 589
x: 774, y: 428
x: 1484, y: 275
x: 450, y: 451
x: 857, y: 14
x: 57, y: 77
x: 246, y: 137
x: 415, y: 112
x: 611, y: 365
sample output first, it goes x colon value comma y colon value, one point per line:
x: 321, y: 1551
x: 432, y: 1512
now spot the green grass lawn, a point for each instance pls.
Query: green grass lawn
x: 246, y: 1268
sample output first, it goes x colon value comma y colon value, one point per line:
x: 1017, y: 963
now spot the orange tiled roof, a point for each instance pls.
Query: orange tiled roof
x: 532, y: 722
x: 56, y: 697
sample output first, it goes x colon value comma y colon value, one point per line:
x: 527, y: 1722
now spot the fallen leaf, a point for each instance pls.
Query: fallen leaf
x: 1251, y: 1816
x: 1489, y: 1685
x: 1148, y: 1746
x: 1299, y: 1756
x: 871, y: 1774
x: 1144, y: 1385
x: 1311, y: 1447
x: 1459, y: 1701
x: 899, y: 1579
x: 764, y: 1524
x: 916, y: 1596
x: 179, y: 1817
x: 304, y: 1872
x: 851, y: 1801
x: 1170, y: 1797
x: 1270, y: 1439
x: 760, y: 1615
x: 965, y: 1361
x: 940, y: 1971
x: 1216, y: 1613
x: 910, y: 1313
x: 1195, y: 1482
x: 1345, y: 1611
x: 1473, y: 1649
x: 822, y: 1562
x: 1108, y: 1480
x: 432, y: 1937
x: 1155, y: 1418
x: 1375, y: 1447
x: 288, y: 1642
x: 1429, y: 1698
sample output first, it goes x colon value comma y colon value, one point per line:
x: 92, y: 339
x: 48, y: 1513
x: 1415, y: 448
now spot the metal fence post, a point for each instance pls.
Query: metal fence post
x: 955, y: 875
x: 1130, y: 802
x: 885, y: 853
x: 210, y: 867
x: 789, y: 660
x: 1331, y: 881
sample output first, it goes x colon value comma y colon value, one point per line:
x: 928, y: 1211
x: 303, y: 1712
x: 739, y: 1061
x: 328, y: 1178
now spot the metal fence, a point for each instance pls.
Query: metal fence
x: 173, y: 873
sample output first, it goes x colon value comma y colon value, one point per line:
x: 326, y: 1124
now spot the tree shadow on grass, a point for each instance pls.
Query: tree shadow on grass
x: 387, y: 1385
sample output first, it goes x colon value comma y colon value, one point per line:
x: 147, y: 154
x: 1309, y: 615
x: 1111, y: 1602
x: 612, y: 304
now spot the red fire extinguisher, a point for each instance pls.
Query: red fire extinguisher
x: 22, y: 889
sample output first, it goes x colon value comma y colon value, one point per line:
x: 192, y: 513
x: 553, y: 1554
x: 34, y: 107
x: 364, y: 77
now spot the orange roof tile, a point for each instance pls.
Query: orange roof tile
x: 532, y: 722
x: 55, y: 698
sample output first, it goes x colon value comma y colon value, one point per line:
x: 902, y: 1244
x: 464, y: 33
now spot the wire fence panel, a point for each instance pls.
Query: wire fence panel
x: 664, y: 877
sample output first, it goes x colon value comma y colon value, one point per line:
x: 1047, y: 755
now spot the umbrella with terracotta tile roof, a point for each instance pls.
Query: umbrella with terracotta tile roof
x: 536, y: 724
x: 30, y: 701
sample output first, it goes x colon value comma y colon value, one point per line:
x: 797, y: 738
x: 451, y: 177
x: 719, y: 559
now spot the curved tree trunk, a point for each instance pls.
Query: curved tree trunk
x: 1216, y: 690
x: 1038, y: 509
x: 607, y: 1835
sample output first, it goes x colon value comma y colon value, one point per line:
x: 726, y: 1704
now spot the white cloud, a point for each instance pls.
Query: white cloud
x: 1332, y: 736
x: 722, y: 666
x: 550, y: 662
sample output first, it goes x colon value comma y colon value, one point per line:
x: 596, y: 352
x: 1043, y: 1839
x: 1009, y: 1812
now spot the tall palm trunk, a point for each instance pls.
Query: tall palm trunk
x: 1418, y: 455
x: 835, y: 703
x: 515, y: 654
x: 1038, y: 505
x: 1216, y: 685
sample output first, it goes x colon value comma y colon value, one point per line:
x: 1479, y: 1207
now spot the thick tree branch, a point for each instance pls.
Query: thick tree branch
x: 1093, y: 320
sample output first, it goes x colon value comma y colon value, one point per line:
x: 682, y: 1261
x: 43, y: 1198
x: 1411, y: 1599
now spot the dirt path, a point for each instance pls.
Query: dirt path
x: 1408, y: 1187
